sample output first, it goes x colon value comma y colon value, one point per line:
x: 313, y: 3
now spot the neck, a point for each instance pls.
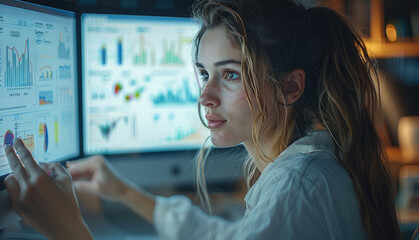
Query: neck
x: 267, y: 146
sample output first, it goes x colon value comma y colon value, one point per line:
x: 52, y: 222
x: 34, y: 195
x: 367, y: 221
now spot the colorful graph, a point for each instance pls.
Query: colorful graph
x: 19, y: 71
x: 29, y: 142
x: 135, y: 95
x: 181, y: 95
x: 63, y: 51
x: 46, y: 72
x: 46, y: 97
x: 146, y: 54
x: 117, y: 88
x: 108, y: 127
x: 184, y: 134
x: 8, y: 138
x: 172, y: 54
x: 64, y: 72
x: 64, y: 96
x: 43, y: 132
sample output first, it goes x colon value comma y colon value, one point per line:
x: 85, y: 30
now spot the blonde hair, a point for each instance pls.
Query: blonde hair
x: 277, y: 37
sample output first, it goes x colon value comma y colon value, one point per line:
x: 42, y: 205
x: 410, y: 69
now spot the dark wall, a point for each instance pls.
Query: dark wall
x: 147, y: 7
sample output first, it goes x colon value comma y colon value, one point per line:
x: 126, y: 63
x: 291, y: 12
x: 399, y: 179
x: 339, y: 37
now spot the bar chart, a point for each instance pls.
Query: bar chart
x: 63, y: 51
x: 177, y: 95
x: 19, y: 72
x: 46, y: 73
x: 64, y: 72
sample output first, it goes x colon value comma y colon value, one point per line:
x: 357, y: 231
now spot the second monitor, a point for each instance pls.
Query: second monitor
x: 139, y: 88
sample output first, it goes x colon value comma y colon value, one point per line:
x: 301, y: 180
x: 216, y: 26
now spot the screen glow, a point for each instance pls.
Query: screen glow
x: 139, y: 86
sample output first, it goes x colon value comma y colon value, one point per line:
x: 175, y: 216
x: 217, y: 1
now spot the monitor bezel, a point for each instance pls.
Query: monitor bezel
x: 67, y: 10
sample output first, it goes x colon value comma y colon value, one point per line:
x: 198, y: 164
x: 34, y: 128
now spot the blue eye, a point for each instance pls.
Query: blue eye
x: 203, y: 76
x: 230, y: 76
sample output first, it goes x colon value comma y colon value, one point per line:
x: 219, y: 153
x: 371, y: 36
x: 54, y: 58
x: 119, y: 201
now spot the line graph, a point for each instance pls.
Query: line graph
x: 19, y: 72
x: 46, y: 72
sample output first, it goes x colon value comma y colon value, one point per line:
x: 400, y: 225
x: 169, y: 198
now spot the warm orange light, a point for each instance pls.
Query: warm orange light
x: 391, y: 32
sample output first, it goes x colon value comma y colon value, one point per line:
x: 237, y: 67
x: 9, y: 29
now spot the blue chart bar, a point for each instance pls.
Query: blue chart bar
x: 119, y: 45
x: 63, y: 52
x: 103, y: 54
x: 64, y: 72
x: 18, y: 68
x: 181, y: 95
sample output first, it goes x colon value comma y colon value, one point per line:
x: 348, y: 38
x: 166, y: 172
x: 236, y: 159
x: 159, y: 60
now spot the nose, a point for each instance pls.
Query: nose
x: 210, y: 94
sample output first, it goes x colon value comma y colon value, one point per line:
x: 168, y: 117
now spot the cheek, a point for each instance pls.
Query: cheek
x: 241, y: 106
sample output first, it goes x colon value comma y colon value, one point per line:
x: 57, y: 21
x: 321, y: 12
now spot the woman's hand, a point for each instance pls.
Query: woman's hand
x: 95, y: 175
x: 46, y: 202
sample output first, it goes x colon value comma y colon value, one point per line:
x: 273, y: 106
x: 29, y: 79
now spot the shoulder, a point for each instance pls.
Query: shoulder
x: 308, y: 174
x: 315, y: 167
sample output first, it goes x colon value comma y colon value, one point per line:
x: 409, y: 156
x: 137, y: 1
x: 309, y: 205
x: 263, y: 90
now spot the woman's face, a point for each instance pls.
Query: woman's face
x: 222, y: 95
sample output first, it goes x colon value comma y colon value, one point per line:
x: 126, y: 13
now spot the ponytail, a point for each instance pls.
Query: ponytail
x: 346, y: 107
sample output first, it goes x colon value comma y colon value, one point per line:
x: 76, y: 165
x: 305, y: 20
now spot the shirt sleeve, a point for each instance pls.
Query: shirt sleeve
x: 287, y: 209
x: 177, y: 218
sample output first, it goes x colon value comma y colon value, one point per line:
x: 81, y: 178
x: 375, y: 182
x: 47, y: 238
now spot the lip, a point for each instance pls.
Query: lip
x: 214, y: 121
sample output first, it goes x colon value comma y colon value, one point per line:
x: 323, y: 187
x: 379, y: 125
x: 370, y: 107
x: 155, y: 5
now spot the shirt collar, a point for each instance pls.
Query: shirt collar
x: 311, y: 142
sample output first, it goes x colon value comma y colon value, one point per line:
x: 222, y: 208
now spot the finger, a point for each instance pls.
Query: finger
x: 59, y: 171
x: 15, y: 164
x: 13, y: 188
x: 26, y: 156
x: 45, y: 167
x: 86, y: 186
x: 84, y: 168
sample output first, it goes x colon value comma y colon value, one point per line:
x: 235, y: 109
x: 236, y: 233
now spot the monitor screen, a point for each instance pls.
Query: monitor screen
x: 38, y: 81
x: 140, y: 92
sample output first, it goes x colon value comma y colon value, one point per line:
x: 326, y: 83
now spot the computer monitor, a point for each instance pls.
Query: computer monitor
x: 140, y: 92
x: 38, y: 82
x: 140, y: 99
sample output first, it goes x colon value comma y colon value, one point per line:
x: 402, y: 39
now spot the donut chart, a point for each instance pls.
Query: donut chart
x: 8, y: 138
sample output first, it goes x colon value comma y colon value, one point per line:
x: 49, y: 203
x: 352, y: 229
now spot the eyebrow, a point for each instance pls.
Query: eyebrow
x: 220, y: 63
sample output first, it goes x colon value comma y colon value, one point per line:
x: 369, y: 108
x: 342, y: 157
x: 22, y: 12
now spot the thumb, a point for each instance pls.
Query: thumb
x: 85, y: 168
x: 86, y: 187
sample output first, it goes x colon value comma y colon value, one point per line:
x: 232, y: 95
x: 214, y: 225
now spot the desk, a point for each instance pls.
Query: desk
x: 110, y: 221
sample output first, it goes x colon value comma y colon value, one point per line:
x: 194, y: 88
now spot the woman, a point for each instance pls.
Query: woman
x: 294, y: 87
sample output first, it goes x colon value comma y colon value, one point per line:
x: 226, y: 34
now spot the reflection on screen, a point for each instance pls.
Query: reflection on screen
x: 139, y: 87
x: 38, y: 97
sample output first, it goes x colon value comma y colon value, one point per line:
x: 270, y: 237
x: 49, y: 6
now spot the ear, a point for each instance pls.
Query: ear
x: 294, y: 85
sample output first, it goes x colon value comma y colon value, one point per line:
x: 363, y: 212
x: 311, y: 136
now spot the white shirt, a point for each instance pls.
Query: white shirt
x: 303, y: 194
